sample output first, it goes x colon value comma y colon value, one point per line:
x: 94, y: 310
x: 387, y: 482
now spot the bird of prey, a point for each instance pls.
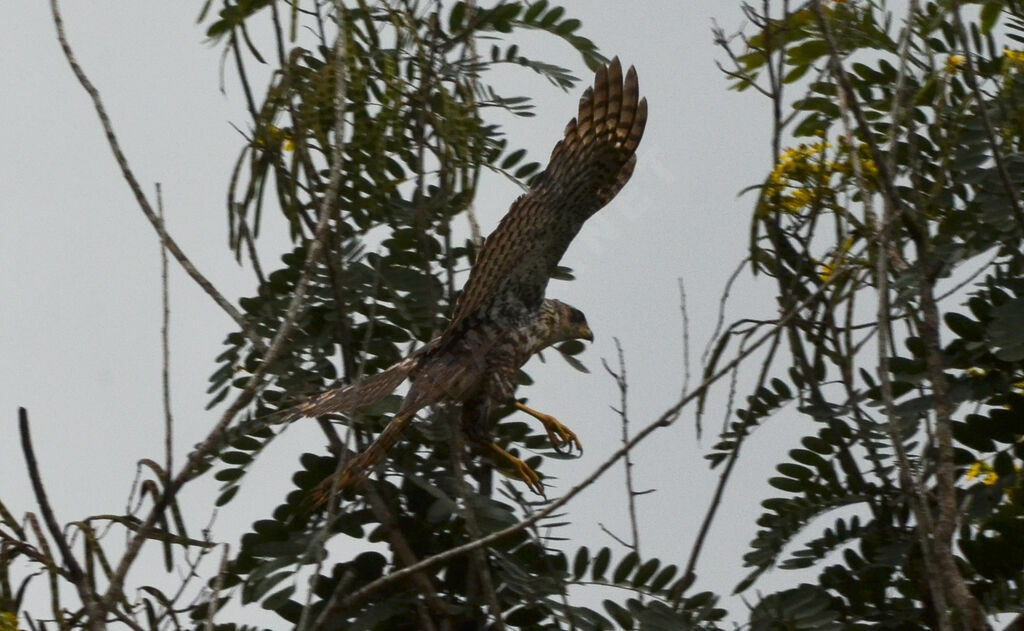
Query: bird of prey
x: 501, y: 317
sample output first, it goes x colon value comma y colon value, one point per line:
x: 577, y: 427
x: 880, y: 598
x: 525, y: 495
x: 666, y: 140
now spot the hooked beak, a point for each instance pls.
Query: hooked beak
x: 587, y: 334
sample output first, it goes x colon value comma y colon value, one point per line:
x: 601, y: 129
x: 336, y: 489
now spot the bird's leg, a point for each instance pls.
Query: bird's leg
x: 355, y: 471
x: 560, y: 435
x: 522, y: 470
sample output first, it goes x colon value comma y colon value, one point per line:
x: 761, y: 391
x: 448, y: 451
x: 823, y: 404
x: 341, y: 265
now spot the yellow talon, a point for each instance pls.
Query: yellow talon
x: 522, y: 470
x: 559, y: 434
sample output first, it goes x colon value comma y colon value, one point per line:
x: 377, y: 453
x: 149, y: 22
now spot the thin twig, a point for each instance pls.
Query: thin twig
x: 686, y: 336
x: 218, y: 585
x: 623, y: 412
x: 52, y: 571
x: 406, y: 556
x: 74, y: 570
x: 909, y: 480
x: 165, y: 346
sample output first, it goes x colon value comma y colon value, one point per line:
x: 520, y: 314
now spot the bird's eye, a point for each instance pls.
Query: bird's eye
x: 576, y: 316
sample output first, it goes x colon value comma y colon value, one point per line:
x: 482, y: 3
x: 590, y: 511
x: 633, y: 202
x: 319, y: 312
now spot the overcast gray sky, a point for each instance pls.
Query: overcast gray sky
x: 80, y: 313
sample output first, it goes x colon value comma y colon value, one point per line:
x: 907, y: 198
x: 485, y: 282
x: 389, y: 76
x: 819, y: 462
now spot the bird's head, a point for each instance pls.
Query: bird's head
x: 571, y: 324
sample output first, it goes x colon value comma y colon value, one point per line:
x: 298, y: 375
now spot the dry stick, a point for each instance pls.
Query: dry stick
x: 75, y: 573
x: 165, y: 347
x: 21, y: 547
x: 140, y: 197
x: 666, y: 419
x: 945, y: 522
x: 623, y: 412
x: 888, y: 184
x: 74, y: 570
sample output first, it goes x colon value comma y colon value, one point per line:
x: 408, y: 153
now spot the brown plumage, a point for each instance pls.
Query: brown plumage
x: 502, y: 318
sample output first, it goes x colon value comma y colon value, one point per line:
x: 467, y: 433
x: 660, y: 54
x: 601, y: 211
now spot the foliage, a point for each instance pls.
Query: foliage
x: 900, y: 189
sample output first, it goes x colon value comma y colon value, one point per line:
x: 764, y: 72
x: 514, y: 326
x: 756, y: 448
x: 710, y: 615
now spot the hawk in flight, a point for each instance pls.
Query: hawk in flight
x: 502, y: 318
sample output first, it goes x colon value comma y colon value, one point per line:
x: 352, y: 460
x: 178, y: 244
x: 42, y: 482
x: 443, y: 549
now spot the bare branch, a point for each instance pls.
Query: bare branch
x: 623, y: 412
x: 74, y: 570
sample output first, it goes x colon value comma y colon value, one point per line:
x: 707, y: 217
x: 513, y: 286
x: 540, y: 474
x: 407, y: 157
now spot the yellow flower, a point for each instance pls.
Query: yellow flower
x: 977, y: 372
x: 800, y: 178
x: 984, y: 471
x: 954, y: 62
x: 1016, y: 56
x: 825, y: 271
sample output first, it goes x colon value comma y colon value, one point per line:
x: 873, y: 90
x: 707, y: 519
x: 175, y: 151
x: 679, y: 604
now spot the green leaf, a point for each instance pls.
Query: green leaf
x: 236, y: 457
x: 989, y: 14
x: 619, y: 614
x: 788, y: 484
x: 226, y: 496
x: 664, y: 577
x: 796, y: 471
x: 626, y: 566
x: 456, y: 17
x: 645, y: 571
x: 580, y: 563
x: 527, y: 616
x: 534, y: 10
x: 513, y: 158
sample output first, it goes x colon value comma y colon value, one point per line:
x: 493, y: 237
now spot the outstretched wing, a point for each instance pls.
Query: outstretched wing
x: 588, y: 167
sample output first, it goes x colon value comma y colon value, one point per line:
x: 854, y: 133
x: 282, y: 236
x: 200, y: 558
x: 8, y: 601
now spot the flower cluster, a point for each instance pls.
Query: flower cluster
x: 275, y: 137
x: 954, y: 63
x: 984, y: 472
x: 1014, y: 56
x: 801, y: 178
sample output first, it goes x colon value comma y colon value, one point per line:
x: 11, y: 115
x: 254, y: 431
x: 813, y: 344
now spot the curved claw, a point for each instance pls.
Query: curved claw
x: 522, y: 470
x: 559, y: 435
